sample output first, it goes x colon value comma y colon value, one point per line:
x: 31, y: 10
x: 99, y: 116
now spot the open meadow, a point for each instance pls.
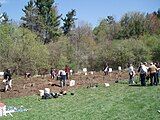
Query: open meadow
x: 116, y: 102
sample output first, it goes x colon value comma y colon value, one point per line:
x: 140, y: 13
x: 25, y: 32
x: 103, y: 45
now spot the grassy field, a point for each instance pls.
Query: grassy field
x: 117, y: 102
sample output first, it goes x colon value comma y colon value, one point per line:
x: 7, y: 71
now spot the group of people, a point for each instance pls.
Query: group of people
x: 146, y: 72
x: 61, y: 75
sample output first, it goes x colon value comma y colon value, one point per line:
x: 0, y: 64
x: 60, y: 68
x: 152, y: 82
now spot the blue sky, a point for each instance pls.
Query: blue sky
x: 90, y: 11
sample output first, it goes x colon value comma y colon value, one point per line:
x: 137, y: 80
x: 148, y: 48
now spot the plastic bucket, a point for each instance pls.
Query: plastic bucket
x: 72, y: 83
x: 41, y: 92
x: 47, y: 90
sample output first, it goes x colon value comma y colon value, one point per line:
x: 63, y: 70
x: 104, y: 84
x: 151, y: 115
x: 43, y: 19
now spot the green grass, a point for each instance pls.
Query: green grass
x: 117, y: 102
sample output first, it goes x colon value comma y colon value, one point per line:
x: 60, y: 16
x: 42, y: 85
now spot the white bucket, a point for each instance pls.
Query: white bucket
x: 47, y: 90
x: 41, y: 92
x: 1, y: 73
x: 110, y: 70
x: 91, y: 72
x: 84, y: 69
x: 72, y: 83
x: 71, y: 72
x: 107, y: 84
x: 119, y: 68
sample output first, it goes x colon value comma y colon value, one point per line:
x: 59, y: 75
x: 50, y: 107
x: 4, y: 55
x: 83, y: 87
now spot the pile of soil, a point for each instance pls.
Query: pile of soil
x: 30, y: 86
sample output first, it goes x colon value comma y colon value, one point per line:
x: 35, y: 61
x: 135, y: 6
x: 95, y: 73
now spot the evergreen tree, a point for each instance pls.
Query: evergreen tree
x: 48, y: 19
x: 68, y: 21
x: 4, y: 17
x: 41, y: 16
x: 30, y: 16
x: 158, y: 13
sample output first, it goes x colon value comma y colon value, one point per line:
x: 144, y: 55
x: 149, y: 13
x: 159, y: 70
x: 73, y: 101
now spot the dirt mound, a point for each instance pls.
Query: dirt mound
x: 27, y: 87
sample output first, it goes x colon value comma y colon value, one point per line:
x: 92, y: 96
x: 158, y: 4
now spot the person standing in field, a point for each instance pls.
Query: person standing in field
x: 152, y: 70
x: 158, y: 71
x: 62, y: 75
x: 67, y: 70
x: 143, y: 72
x: 51, y: 73
x: 7, y: 79
x: 131, y: 74
x: 106, y: 69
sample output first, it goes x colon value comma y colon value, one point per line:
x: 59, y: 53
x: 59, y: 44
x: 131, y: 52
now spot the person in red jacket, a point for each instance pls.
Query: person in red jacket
x: 67, y: 70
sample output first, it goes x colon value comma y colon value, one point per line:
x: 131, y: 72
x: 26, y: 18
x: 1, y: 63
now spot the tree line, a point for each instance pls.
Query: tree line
x: 41, y: 41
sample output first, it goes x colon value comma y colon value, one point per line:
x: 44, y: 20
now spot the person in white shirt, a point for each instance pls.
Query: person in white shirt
x: 62, y: 74
x: 143, y: 72
x: 131, y: 74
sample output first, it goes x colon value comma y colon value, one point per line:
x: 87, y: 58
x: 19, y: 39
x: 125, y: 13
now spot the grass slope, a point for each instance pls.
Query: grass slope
x: 117, y: 102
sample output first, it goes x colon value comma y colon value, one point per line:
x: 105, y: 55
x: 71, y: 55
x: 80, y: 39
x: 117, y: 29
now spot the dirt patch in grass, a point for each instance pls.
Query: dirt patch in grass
x: 27, y: 87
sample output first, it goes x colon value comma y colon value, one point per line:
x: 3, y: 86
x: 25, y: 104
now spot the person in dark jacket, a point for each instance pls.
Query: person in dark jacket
x: 157, y: 72
x: 7, y: 79
x: 106, y: 69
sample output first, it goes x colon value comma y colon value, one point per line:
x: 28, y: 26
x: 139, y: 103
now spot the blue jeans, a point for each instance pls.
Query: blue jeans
x: 143, y: 79
x: 131, y: 79
x: 63, y: 80
x: 153, y: 79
